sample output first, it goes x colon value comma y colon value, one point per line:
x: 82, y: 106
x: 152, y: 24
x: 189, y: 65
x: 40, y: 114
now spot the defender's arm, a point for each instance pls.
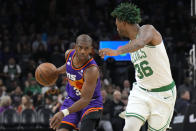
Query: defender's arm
x: 145, y: 36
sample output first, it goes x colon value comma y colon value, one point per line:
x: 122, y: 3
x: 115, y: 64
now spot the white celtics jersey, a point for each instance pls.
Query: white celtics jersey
x: 152, y: 68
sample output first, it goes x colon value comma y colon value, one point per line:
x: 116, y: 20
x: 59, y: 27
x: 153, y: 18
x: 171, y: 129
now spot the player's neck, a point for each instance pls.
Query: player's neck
x: 77, y: 62
x: 133, y: 31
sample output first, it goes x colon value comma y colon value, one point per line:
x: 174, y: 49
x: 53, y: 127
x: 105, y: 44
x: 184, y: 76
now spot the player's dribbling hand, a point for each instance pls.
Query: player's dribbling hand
x: 55, y: 121
x: 109, y: 52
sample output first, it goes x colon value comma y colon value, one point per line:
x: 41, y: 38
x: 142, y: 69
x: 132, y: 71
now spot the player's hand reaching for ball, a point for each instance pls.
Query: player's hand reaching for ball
x: 55, y: 121
x: 109, y: 52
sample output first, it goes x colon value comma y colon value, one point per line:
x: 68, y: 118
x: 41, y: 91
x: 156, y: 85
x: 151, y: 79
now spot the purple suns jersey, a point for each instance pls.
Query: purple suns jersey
x: 76, y: 80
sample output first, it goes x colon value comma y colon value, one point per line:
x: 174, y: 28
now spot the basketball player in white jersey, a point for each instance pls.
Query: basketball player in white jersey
x: 153, y: 95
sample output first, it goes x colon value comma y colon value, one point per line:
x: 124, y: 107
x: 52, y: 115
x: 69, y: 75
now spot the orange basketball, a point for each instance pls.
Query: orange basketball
x: 46, y: 74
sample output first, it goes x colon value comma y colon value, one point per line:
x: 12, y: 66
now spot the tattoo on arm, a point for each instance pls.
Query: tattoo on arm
x: 132, y: 46
x: 145, y: 37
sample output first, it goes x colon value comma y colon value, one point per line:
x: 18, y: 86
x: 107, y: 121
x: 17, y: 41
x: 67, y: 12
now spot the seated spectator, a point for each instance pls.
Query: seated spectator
x: 57, y: 107
x: 12, y: 70
x: 5, y: 103
x: 105, y: 123
x: 53, y: 92
x: 126, y: 85
x: 117, y: 107
x: 26, y: 103
x: 33, y: 87
x: 16, y: 96
x: 124, y: 100
x: 29, y: 76
x: 183, y: 101
x: 125, y: 93
x: 38, y: 101
x: 2, y: 89
x: 49, y: 102
x: 109, y: 90
x: 38, y: 42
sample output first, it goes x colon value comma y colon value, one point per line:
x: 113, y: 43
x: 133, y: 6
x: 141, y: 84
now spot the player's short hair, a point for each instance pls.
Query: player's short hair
x: 85, y: 38
x: 127, y: 12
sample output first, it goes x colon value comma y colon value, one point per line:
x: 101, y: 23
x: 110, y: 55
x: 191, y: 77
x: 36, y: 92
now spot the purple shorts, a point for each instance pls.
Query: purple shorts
x: 74, y: 118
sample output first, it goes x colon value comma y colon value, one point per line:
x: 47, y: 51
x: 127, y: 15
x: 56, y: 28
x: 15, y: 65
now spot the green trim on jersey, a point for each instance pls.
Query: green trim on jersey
x: 161, y: 89
x: 135, y: 115
x: 150, y: 46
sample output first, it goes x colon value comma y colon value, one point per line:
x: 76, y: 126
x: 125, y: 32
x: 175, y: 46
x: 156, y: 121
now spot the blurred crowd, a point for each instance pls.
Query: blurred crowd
x: 37, y: 31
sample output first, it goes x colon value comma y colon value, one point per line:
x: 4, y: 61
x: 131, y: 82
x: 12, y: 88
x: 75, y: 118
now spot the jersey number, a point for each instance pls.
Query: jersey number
x: 77, y: 91
x: 143, y: 70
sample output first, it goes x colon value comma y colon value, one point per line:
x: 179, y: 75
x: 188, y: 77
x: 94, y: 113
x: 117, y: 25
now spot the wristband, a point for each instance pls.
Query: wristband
x: 65, y: 112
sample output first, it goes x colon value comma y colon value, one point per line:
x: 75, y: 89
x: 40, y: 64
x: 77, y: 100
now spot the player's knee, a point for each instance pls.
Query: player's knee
x: 131, y: 127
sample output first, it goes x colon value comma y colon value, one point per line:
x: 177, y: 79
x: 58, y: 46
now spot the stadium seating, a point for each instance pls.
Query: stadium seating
x: 190, y: 118
x: 177, y: 122
x: 43, y: 116
x: 28, y: 118
x: 185, y: 121
x: 1, y: 121
x: 10, y: 119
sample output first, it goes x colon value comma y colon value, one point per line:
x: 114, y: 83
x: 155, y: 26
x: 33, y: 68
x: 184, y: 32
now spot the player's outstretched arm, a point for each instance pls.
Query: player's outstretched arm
x: 145, y: 36
x: 90, y: 79
x: 62, y: 69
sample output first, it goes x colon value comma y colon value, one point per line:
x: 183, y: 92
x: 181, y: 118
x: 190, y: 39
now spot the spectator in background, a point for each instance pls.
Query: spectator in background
x: 105, y: 122
x: 6, y: 52
x: 49, y: 102
x: 2, y: 89
x: 31, y: 66
x: 56, y: 107
x: 5, y: 103
x: 183, y: 101
x: 41, y: 53
x: 126, y: 85
x: 124, y: 100
x: 117, y: 107
x: 29, y: 77
x: 16, y: 96
x: 38, y: 42
x: 38, y: 101
x: 11, y: 71
x: 33, y: 88
x: 26, y: 103
x: 53, y: 92
x: 110, y: 90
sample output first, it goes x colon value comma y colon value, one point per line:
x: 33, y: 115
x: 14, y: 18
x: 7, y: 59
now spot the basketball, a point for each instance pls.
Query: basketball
x: 46, y: 74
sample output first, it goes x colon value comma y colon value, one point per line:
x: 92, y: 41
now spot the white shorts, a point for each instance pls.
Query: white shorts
x: 155, y: 107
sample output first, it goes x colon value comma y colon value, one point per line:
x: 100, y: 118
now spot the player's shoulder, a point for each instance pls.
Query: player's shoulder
x: 67, y: 53
x: 92, y: 71
x: 147, y: 26
x: 157, y: 38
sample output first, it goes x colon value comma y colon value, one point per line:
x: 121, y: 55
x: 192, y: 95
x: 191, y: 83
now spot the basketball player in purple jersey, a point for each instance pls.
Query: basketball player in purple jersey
x: 84, y: 101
